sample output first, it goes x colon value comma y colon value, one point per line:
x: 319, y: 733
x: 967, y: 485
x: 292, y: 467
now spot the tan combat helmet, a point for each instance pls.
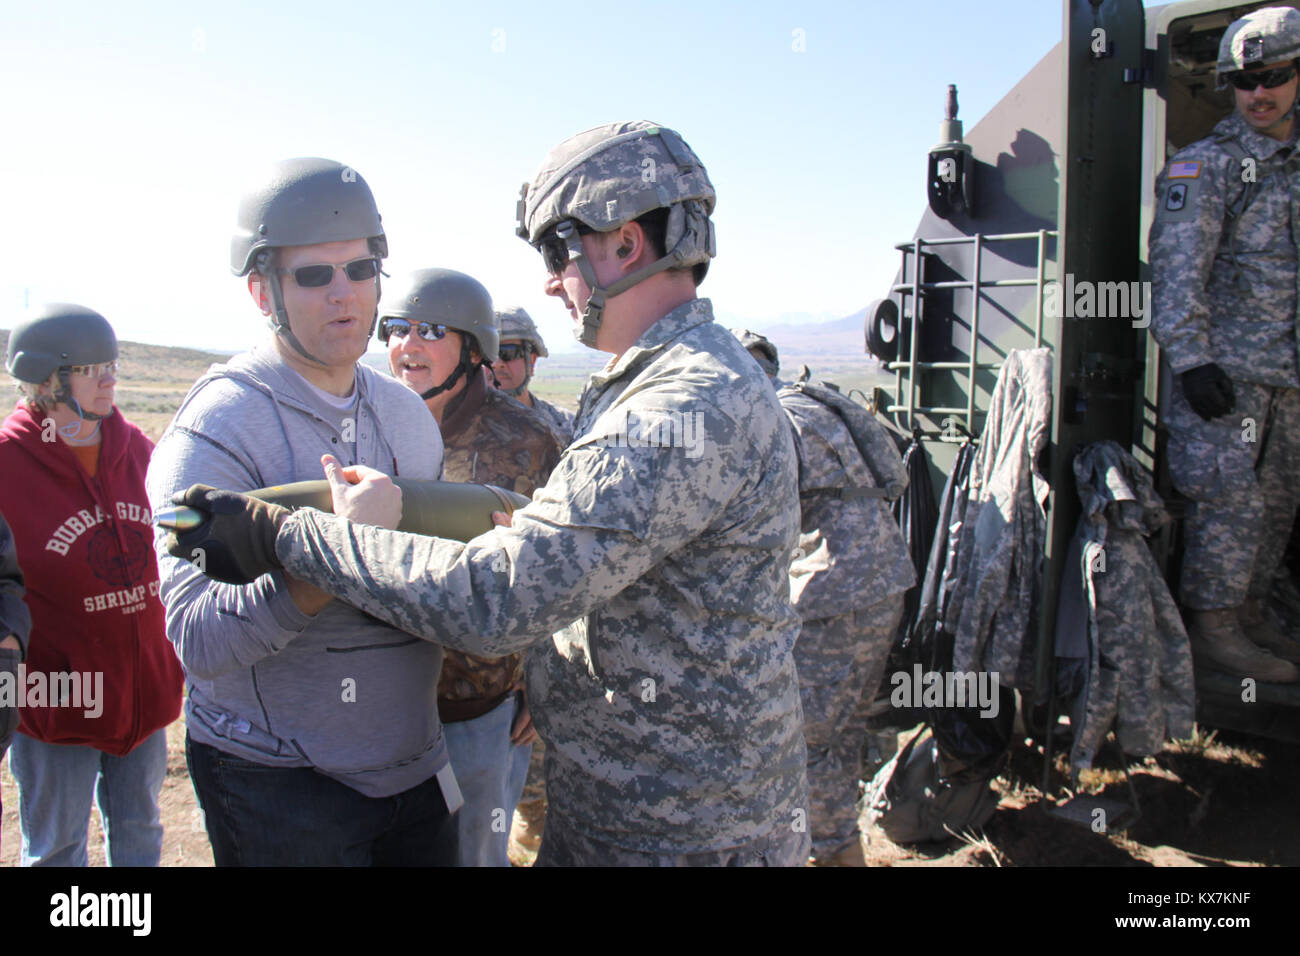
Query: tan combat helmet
x: 515, y: 323
x: 761, y: 347
x: 1262, y: 36
x: 601, y: 179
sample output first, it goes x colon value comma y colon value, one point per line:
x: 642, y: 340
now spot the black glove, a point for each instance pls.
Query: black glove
x: 9, y: 661
x: 236, y: 544
x: 1208, y: 391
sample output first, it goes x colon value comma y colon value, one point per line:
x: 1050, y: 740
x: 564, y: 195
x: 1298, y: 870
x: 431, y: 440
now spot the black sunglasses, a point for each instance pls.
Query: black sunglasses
x: 313, y: 277
x: 555, y: 251
x: 1269, y: 79
x: 508, y: 353
x: 402, y: 328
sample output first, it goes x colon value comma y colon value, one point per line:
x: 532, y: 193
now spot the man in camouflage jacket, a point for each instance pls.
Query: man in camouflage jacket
x: 849, y: 572
x: 1224, y: 271
x: 658, y: 550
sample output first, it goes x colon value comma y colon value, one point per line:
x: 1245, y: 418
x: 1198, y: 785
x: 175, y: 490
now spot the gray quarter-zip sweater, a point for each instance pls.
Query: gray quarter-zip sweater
x: 341, y: 691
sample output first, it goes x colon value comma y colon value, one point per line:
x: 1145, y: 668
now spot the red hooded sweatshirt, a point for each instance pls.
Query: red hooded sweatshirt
x: 85, y: 546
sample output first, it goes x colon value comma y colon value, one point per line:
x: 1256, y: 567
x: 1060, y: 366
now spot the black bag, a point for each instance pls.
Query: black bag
x: 913, y: 800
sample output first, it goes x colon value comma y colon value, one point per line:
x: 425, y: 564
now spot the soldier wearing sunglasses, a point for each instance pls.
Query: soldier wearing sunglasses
x: 313, y: 731
x: 521, y: 344
x: 654, y: 561
x: 1224, y: 265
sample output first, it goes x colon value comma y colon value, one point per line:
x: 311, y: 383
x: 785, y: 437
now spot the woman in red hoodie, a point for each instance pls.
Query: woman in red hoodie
x: 100, y: 682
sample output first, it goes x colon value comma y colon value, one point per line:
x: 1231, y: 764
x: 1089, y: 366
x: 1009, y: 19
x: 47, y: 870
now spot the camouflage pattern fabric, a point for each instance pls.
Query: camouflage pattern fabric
x: 993, y: 610
x: 569, y: 844
x: 1242, y: 474
x: 1140, y: 662
x: 850, y: 553
x: 668, y: 697
x: 1227, y: 295
x: 491, y: 438
x: 841, y: 662
x: 847, y: 577
x: 558, y: 418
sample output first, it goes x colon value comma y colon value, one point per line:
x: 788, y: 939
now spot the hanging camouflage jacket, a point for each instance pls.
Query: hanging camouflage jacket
x: 994, y: 606
x: 1138, y: 668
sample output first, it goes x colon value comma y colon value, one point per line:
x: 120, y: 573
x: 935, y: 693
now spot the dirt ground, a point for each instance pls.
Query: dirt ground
x: 1220, y: 799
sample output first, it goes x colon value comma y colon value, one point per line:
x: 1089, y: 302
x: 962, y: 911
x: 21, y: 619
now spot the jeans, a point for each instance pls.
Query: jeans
x: 491, y: 772
x: 258, y: 815
x: 55, y: 785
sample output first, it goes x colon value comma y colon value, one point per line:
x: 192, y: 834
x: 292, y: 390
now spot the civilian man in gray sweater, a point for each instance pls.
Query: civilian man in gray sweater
x: 313, y: 732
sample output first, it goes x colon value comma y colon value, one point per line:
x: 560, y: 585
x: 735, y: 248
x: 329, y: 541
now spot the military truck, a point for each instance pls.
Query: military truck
x: 1035, y: 235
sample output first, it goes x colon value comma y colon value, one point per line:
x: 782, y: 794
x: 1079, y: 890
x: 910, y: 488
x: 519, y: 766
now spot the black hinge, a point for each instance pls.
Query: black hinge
x: 1144, y: 74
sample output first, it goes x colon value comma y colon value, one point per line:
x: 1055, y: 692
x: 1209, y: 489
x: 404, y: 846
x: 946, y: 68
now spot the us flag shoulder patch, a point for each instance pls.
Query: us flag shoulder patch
x: 1185, y: 169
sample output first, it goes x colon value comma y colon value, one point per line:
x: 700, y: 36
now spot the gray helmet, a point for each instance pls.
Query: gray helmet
x: 605, y: 177
x: 302, y: 202
x: 515, y: 323
x: 1267, y: 35
x: 58, y: 335
x: 445, y: 297
x: 53, y: 338
x: 753, y: 342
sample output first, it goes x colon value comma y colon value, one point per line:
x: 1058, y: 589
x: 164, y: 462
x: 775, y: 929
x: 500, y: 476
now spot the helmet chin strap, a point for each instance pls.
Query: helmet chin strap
x: 463, y: 367
x: 594, y: 312
x: 64, y: 395
x: 279, y: 314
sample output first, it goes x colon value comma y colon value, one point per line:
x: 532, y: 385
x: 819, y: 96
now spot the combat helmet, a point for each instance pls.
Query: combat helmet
x: 54, y: 338
x: 767, y: 355
x: 1262, y: 36
x: 448, y: 298
x: 515, y: 323
x: 302, y: 202
x: 603, y: 178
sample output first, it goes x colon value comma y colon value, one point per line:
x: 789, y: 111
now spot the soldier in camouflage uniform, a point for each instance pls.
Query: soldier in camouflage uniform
x: 521, y: 344
x: 658, y: 550
x: 441, y: 334
x: 849, y: 572
x: 1223, y: 259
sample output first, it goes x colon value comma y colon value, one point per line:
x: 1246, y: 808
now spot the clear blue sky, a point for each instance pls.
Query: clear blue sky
x: 130, y: 129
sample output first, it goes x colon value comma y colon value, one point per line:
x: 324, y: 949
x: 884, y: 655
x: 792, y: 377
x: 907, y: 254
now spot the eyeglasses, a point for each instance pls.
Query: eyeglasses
x: 97, y: 371
x: 402, y: 328
x: 508, y: 353
x: 555, y: 250
x: 313, y: 277
x: 1269, y: 79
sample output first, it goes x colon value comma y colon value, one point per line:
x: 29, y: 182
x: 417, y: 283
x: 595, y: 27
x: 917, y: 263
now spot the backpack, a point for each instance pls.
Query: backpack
x: 878, y: 449
x: 913, y: 800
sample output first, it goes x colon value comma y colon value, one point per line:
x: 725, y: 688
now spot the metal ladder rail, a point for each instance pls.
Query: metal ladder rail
x: 915, y: 288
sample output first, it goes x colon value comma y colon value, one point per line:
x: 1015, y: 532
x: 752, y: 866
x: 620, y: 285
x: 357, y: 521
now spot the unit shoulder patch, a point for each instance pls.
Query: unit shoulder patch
x: 1179, y: 202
